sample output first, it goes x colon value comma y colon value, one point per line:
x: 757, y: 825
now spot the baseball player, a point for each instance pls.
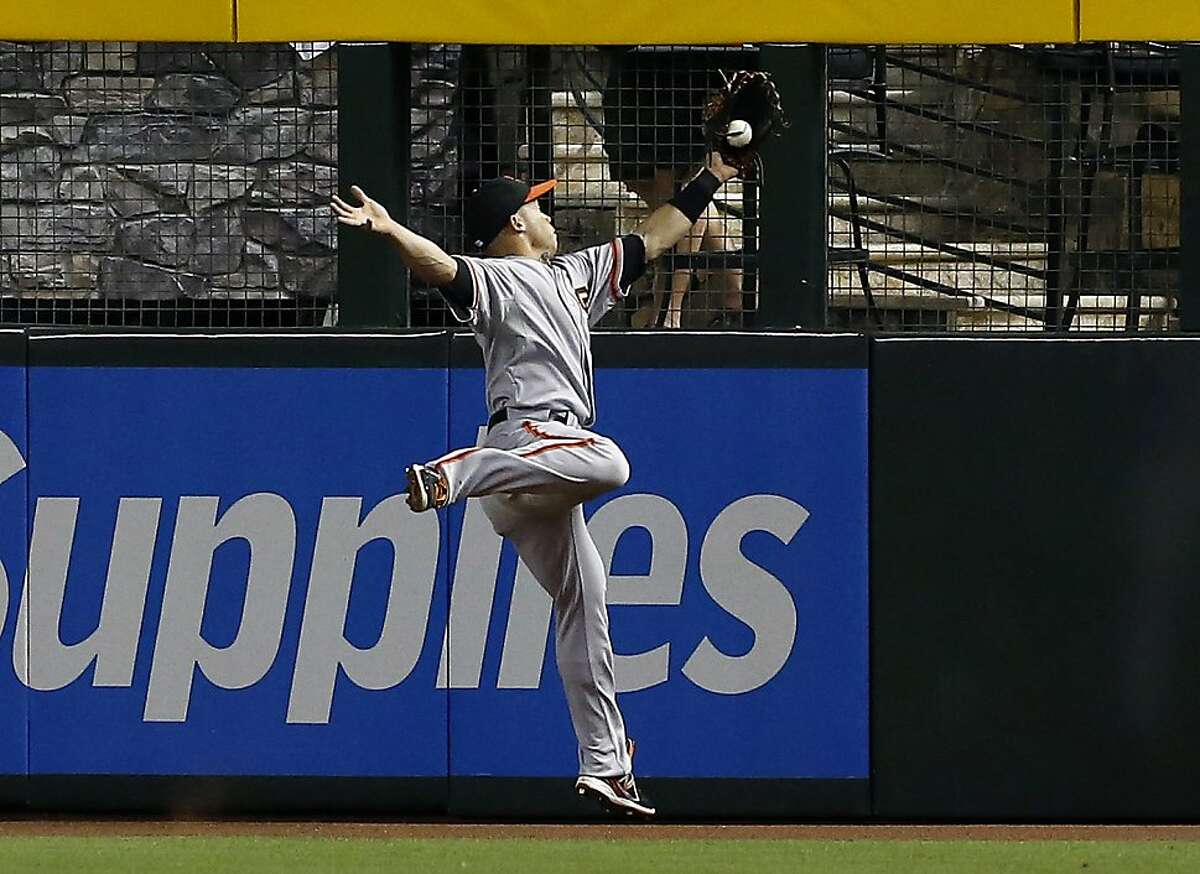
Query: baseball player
x: 532, y: 312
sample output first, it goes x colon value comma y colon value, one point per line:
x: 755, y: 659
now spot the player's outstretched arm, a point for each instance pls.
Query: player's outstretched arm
x: 425, y: 258
x: 668, y: 224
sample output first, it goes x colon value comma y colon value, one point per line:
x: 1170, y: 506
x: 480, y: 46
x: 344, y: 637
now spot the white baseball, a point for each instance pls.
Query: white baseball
x: 738, y: 133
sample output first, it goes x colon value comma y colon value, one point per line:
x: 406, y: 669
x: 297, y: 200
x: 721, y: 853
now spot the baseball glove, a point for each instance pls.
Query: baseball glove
x: 740, y: 116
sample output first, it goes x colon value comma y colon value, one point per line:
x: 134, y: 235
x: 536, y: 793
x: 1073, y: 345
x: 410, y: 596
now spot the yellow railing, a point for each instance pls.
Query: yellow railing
x: 666, y: 22
x: 180, y: 20
x: 627, y: 21
x: 1166, y: 20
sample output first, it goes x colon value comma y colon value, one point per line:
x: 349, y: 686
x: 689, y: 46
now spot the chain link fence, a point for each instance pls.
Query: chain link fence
x: 167, y: 184
x: 1004, y: 188
x: 620, y: 129
x: 991, y: 188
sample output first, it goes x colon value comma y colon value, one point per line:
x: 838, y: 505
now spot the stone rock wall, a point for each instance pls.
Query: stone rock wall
x: 160, y: 171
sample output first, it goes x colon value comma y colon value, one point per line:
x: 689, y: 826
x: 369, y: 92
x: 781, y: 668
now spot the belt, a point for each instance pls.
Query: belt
x: 505, y: 413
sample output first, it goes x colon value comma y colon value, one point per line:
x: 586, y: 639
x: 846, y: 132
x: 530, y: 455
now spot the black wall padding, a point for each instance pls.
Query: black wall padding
x: 1036, y: 579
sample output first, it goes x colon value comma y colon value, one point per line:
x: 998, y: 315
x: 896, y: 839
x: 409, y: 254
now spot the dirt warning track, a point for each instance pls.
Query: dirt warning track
x: 12, y: 827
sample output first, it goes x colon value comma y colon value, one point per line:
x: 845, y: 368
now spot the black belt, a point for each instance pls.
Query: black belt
x: 501, y: 415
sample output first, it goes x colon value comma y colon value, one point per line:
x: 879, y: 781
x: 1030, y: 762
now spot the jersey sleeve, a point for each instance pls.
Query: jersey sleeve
x: 459, y: 292
x: 597, y: 271
x: 487, y: 298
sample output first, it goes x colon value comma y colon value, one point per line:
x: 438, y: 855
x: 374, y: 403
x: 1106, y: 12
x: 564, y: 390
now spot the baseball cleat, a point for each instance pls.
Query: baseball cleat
x: 616, y: 794
x: 427, y: 488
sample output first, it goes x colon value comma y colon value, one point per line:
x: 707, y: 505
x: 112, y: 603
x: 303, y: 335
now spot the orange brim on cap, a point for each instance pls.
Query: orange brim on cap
x: 536, y: 191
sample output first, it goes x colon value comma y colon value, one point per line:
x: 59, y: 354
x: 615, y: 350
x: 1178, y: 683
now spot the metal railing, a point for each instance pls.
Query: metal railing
x: 1005, y: 187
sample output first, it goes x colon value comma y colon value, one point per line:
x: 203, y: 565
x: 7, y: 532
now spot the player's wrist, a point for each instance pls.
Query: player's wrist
x: 387, y: 226
x: 695, y: 197
x: 717, y: 166
x: 723, y: 172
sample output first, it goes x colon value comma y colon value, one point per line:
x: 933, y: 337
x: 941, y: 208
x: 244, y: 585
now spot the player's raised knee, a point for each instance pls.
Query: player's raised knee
x: 613, y: 470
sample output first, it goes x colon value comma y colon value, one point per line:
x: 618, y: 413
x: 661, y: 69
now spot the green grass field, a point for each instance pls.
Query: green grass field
x: 258, y: 855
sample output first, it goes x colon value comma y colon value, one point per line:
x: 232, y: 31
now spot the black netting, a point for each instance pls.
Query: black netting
x: 619, y: 128
x: 167, y: 184
x: 1004, y: 187
x: 970, y: 187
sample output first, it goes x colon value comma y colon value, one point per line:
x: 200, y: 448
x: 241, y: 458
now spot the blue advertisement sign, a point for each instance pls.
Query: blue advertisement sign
x: 225, y: 580
x: 213, y: 585
x: 13, y: 483
x: 737, y: 554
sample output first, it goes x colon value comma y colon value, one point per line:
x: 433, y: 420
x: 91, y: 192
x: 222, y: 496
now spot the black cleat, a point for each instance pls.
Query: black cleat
x: 616, y: 794
x: 427, y: 488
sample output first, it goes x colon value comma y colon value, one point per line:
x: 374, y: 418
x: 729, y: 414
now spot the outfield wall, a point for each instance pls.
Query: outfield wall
x: 1035, y: 505
x: 14, y: 539
x: 215, y: 601
x: 226, y: 594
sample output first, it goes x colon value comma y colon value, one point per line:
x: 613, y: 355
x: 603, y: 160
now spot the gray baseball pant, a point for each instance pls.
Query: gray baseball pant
x: 533, y: 477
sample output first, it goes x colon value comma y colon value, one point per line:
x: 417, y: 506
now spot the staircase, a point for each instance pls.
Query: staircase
x: 949, y: 197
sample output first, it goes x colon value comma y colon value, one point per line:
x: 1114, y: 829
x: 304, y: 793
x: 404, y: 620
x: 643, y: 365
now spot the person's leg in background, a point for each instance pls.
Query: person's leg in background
x: 654, y: 192
x: 722, y: 234
x: 681, y: 276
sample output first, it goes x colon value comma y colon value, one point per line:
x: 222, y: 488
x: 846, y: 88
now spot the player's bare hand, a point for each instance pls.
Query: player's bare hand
x: 369, y: 214
x: 719, y: 168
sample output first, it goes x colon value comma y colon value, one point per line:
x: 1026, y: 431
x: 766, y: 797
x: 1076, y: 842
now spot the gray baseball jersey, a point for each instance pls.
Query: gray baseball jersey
x: 533, y: 320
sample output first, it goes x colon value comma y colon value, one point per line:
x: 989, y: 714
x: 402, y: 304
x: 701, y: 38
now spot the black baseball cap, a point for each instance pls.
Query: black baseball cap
x: 489, y: 208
